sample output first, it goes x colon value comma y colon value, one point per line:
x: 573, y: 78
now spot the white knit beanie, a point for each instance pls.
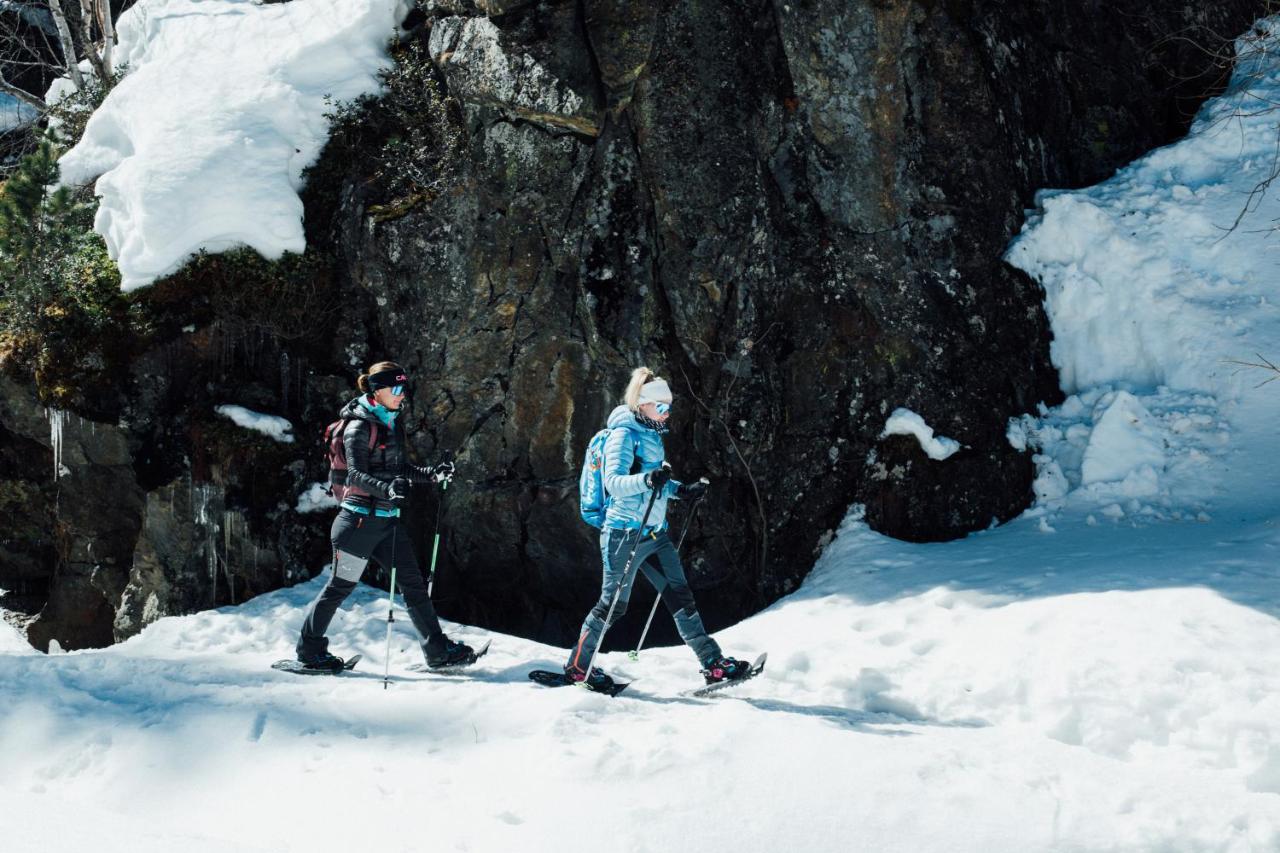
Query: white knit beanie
x: 655, y: 391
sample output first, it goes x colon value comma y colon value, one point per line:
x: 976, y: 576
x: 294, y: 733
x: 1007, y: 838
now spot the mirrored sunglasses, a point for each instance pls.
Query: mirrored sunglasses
x: 662, y: 408
x: 397, y: 390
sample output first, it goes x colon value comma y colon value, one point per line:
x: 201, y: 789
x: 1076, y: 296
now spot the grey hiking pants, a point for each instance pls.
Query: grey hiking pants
x: 357, y: 539
x: 657, y: 558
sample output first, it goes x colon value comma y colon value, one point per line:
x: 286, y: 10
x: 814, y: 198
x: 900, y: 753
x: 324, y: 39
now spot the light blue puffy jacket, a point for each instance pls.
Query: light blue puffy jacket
x: 627, y: 492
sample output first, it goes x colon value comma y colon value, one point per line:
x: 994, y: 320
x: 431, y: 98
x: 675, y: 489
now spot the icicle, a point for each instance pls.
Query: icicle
x: 284, y: 381
x: 204, y: 493
x: 57, y: 419
x: 228, y: 537
x: 202, y: 504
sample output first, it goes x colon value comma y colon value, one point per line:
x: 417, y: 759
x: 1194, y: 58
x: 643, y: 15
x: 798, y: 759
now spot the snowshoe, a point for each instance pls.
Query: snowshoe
x: 446, y: 653
x: 725, y: 669
x: 597, y: 683
x: 597, y: 680
x: 714, y: 684
x: 464, y: 662
x: 321, y: 664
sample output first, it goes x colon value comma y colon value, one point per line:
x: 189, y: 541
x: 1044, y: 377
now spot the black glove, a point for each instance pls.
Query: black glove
x: 442, y: 472
x: 658, y: 477
x: 692, y: 491
x: 398, y: 491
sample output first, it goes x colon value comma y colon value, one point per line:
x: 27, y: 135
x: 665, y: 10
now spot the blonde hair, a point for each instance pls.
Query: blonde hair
x: 363, y: 381
x: 639, y: 378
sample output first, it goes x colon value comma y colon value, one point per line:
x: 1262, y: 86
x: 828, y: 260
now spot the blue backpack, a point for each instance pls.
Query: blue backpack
x: 593, y: 500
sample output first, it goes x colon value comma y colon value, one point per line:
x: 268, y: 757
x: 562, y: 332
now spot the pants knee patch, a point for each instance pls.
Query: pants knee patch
x: 348, y: 567
x: 679, y: 598
x: 337, y: 584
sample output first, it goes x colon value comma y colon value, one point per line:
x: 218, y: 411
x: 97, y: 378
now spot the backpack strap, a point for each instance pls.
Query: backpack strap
x: 340, y: 477
x: 373, y: 430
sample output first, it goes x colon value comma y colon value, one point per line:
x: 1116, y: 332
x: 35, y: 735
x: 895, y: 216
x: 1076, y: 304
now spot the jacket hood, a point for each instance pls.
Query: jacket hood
x: 624, y: 417
x: 356, y: 409
x: 353, y: 409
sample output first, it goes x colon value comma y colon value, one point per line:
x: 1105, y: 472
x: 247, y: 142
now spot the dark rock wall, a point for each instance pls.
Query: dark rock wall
x: 794, y: 211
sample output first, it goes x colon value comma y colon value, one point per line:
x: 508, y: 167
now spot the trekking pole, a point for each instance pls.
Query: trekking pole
x: 692, y: 512
x: 391, y: 605
x: 435, y: 547
x: 621, y: 583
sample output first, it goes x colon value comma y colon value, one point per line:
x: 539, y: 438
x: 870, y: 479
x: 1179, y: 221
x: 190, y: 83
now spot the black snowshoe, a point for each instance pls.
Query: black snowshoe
x: 727, y: 672
x: 322, y: 663
x: 725, y: 669
x: 459, y: 659
x: 444, y: 653
x: 598, y: 682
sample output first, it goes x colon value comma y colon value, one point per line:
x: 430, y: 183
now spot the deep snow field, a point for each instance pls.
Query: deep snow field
x: 1100, y: 674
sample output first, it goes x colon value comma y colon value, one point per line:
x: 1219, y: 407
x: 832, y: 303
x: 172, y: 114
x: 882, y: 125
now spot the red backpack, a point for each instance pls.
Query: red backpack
x: 336, y: 450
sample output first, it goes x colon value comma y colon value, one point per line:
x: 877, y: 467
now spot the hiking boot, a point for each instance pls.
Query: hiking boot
x: 725, y: 669
x: 321, y: 660
x: 597, y: 681
x: 443, y: 652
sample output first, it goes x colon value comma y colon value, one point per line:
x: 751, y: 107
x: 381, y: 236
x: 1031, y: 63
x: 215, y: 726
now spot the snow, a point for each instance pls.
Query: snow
x: 1097, y: 675
x: 274, y: 426
x: 1138, y: 269
x: 907, y: 422
x: 1125, y: 443
x: 919, y: 698
x: 11, y: 640
x: 315, y: 499
x: 203, y: 144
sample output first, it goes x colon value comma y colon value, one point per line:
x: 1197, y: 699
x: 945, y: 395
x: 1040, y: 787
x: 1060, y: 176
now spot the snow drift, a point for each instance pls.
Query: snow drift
x: 202, y: 145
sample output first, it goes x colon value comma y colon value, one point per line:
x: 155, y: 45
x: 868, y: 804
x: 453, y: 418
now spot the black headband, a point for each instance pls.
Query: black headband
x: 387, y: 379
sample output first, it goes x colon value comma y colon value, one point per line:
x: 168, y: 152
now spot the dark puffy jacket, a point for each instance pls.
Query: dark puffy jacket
x: 372, y: 470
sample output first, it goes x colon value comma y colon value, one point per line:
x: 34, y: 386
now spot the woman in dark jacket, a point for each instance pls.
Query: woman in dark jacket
x: 373, y: 490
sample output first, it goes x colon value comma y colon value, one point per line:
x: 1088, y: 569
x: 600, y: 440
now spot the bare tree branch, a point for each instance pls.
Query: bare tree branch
x: 22, y: 95
x: 717, y: 416
x: 108, y: 35
x: 87, y: 14
x: 1260, y: 364
x: 68, y: 47
x: 1256, y: 49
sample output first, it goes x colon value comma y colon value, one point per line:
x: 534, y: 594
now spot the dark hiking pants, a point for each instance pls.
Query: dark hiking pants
x: 657, y: 558
x: 357, y: 539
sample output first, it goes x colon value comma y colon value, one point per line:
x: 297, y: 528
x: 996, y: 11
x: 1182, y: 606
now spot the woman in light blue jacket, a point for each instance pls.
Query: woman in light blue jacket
x: 634, y: 467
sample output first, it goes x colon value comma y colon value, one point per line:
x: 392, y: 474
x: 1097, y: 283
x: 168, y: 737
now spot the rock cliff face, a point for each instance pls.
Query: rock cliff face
x: 794, y: 211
